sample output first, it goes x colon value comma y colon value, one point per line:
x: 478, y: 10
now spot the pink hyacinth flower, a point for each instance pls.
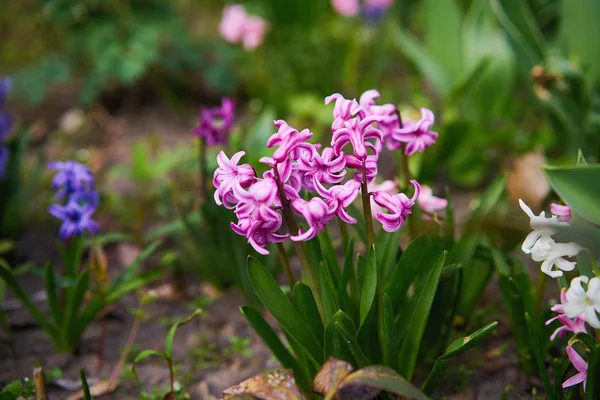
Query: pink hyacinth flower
x: 356, y: 132
x: 389, y: 187
x: 233, y: 23
x: 254, y: 32
x: 339, y: 197
x: 562, y: 212
x: 230, y: 175
x: 580, y: 365
x: 347, y: 8
x: 326, y: 168
x: 260, y: 233
x: 429, y: 203
x: 370, y: 164
x: 398, y: 205
x: 258, y: 201
x: 290, y: 141
x: 575, y: 325
x: 317, y: 215
x: 343, y: 110
x: 417, y: 135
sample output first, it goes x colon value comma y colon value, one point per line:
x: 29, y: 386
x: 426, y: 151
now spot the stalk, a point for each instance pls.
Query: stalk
x: 344, y: 233
x: 366, y: 203
x: 307, y: 271
x: 539, y: 292
x: 286, y: 265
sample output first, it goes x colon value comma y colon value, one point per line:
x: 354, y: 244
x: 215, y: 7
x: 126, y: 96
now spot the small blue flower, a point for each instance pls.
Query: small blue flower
x: 72, y: 177
x: 76, y: 219
x: 5, y: 85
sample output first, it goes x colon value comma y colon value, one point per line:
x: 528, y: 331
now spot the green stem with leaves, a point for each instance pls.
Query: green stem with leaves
x: 286, y: 265
x: 307, y: 270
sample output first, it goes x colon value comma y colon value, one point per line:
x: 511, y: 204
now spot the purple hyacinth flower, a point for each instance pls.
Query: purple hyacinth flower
x: 575, y: 325
x: 339, y: 197
x: 343, y: 110
x: 417, y: 135
x: 72, y: 177
x: 6, y: 123
x: 398, y: 205
x: 561, y: 211
x: 216, y: 123
x: 357, y: 132
x: 228, y: 175
x: 326, y: 168
x: 317, y: 215
x: 290, y: 142
x: 76, y: 219
x: 259, y: 232
x: 4, y: 155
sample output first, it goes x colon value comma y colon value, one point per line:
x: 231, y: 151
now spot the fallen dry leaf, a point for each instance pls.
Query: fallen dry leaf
x: 278, y: 384
x: 527, y: 181
x: 99, y: 389
x: 330, y: 374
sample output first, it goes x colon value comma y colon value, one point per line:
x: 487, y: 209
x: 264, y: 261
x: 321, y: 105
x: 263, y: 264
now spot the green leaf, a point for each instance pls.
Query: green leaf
x: 592, y: 390
x: 383, y: 378
x: 443, y: 35
x: 14, y: 387
x: 390, y: 342
x: 456, y: 348
x: 142, y: 356
x: 407, y: 269
x: 335, y: 345
x: 171, y: 334
x: 535, y: 341
x: 51, y: 295
x: 73, y: 304
x: 578, y: 187
x: 330, y: 304
x: 369, y: 288
x: 84, y: 385
x: 290, y: 320
x: 345, y: 328
x: 39, y: 318
x: 347, y: 280
x: 330, y: 256
x: 306, y: 305
x: 418, y: 319
x: 387, y: 243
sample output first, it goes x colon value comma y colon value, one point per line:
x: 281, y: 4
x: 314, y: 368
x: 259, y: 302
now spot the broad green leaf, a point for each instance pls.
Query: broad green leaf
x: 369, y: 288
x: 486, y: 203
x: 330, y: 304
x: 335, y: 344
x: 592, y: 390
x: 270, y: 294
x: 39, y: 318
x: 14, y: 387
x: 347, y: 280
x: 388, y: 246
x: 51, y: 295
x: 427, y: 66
x: 171, y: 334
x: 578, y: 187
x: 520, y: 23
x: 142, y: 356
x: 417, y: 320
x: 443, y: 37
x: 407, y: 269
x: 304, y: 302
x: 456, y: 348
x: 389, y: 335
x: 345, y: 328
x: 382, y: 378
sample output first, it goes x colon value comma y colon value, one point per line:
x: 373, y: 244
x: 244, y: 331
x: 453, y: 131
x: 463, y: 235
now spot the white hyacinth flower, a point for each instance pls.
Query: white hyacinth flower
x: 542, y: 227
x: 543, y: 248
x: 580, y: 300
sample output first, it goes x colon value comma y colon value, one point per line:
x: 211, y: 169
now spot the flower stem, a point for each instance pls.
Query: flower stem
x: 203, y: 169
x: 306, y: 268
x: 366, y: 203
x: 344, y: 233
x: 286, y: 265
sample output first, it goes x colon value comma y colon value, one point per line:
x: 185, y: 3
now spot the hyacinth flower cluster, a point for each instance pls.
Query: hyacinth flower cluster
x: 76, y: 199
x: 319, y: 184
x: 237, y: 26
x: 373, y: 10
x: 216, y: 123
x: 580, y: 303
x: 6, y: 124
